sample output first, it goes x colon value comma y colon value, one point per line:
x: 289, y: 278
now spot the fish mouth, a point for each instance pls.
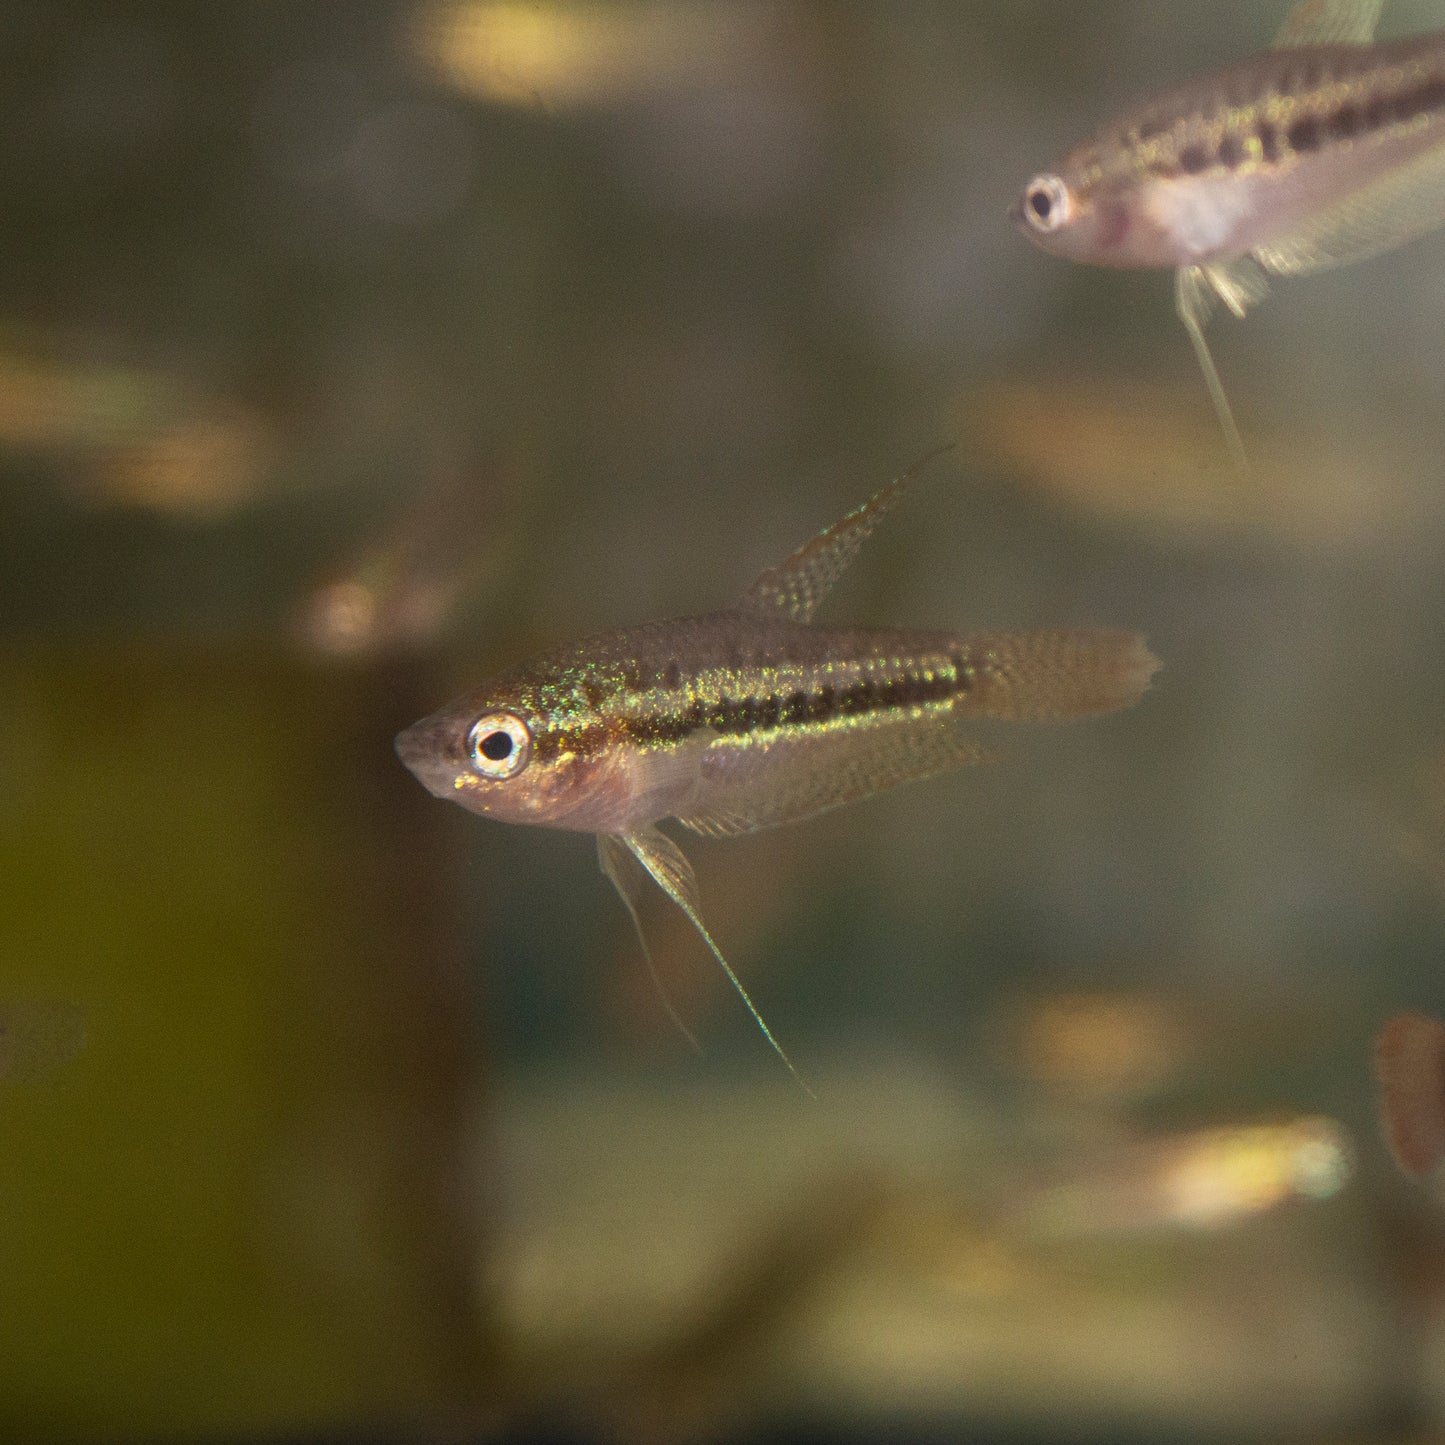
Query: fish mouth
x: 1020, y: 219
x: 423, y: 749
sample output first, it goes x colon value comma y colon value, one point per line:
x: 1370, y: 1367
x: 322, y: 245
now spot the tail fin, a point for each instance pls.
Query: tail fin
x: 1049, y: 676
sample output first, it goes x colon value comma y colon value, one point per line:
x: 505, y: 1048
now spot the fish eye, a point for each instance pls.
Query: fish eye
x: 499, y: 745
x: 1047, y: 203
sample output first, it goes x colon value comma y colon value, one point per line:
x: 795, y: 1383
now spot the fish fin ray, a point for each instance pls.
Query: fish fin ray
x: 794, y: 779
x: 1240, y: 283
x: 615, y: 859
x: 1329, y: 22
x: 1055, y: 675
x: 670, y: 870
x: 796, y: 586
x: 1194, y: 296
x: 1405, y: 202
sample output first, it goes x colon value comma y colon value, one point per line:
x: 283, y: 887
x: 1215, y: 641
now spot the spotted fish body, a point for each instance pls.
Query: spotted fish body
x: 1324, y: 150
x: 748, y: 717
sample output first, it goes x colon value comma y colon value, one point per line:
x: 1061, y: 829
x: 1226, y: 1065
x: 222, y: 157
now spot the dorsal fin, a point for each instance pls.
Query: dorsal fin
x: 1329, y: 22
x: 795, y: 587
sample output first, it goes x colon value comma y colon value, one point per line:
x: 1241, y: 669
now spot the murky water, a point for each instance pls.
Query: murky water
x: 349, y: 354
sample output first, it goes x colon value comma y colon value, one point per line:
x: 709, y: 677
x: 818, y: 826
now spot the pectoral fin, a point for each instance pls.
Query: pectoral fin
x: 1195, y: 290
x: 795, y: 587
x: 616, y: 864
x: 1330, y: 22
x: 671, y: 871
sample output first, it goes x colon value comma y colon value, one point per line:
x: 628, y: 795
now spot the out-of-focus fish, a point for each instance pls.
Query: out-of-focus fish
x: 1137, y: 451
x: 1199, y: 1179
x: 407, y: 583
x: 1324, y: 150
x: 748, y: 717
x: 1410, y: 1072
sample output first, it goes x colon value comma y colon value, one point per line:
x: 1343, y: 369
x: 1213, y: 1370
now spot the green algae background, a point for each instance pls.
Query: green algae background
x: 233, y: 1207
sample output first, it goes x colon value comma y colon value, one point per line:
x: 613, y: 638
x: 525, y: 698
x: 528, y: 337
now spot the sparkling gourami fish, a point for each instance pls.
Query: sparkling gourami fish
x: 1324, y: 150
x: 748, y: 717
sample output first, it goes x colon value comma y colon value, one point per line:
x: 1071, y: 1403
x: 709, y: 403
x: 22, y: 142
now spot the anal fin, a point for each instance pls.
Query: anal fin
x: 1402, y: 202
x: 797, y: 778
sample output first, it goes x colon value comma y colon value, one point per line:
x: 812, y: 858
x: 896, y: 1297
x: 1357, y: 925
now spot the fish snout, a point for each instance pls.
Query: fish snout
x: 425, y: 750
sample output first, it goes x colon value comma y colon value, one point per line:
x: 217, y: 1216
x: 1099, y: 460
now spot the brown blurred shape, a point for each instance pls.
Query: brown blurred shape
x: 1410, y: 1071
x: 135, y: 437
x: 573, y: 55
x: 1096, y: 1047
x: 1149, y: 454
x: 414, y: 573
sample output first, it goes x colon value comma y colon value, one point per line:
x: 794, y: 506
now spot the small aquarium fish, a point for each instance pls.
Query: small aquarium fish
x: 748, y: 717
x: 1324, y: 150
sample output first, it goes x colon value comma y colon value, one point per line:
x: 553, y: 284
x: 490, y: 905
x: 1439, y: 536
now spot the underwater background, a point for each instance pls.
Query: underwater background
x: 349, y: 354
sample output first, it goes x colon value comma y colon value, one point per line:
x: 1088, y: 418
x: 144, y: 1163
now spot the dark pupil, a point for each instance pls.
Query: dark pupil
x: 1042, y: 204
x: 497, y: 746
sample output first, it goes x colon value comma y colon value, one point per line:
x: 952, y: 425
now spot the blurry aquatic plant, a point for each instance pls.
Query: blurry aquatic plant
x: 831, y: 1255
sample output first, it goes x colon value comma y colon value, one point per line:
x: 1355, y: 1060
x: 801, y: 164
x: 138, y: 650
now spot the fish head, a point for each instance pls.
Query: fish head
x: 1104, y: 214
x: 1060, y: 215
x: 499, y: 753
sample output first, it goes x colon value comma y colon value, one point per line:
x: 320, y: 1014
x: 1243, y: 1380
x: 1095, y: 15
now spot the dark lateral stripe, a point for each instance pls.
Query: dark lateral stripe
x: 1365, y: 115
x: 1361, y: 114
x: 738, y: 717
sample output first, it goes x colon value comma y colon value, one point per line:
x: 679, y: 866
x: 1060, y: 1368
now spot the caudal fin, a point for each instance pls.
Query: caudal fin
x: 1049, y: 676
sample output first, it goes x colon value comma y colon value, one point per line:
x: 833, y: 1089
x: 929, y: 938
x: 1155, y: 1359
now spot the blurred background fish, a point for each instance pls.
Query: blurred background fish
x: 1410, y: 1072
x: 413, y: 578
x: 1326, y: 150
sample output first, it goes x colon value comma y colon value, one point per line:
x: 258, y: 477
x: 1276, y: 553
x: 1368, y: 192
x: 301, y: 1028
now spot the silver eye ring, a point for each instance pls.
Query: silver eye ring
x: 1047, y: 204
x: 499, y: 745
